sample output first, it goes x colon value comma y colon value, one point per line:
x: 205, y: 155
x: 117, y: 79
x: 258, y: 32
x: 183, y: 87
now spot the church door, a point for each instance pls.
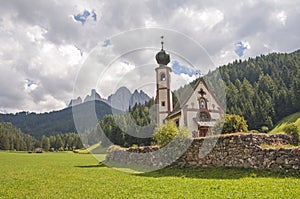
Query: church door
x: 203, y: 132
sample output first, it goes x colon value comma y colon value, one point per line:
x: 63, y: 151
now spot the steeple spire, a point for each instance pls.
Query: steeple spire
x: 162, y: 42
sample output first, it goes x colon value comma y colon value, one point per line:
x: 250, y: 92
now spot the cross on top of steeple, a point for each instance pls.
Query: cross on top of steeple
x: 162, y: 42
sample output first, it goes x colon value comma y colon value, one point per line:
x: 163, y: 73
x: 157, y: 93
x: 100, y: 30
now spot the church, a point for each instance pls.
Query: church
x: 198, y: 111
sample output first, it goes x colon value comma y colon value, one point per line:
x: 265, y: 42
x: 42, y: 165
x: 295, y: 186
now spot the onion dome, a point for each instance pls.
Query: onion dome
x: 162, y: 57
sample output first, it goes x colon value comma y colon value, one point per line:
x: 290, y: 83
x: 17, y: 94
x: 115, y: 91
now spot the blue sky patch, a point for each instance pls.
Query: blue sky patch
x: 240, y: 48
x: 83, y: 17
x: 94, y: 15
x: 177, y: 68
x: 106, y: 43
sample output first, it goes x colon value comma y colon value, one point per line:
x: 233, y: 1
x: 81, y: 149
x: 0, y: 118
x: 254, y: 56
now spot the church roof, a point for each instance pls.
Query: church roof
x: 186, y: 95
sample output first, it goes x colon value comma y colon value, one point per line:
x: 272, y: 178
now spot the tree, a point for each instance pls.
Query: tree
x: 45, y: 143
x: 59, y: 142
x: 232, y: 124
x: 4, y: 142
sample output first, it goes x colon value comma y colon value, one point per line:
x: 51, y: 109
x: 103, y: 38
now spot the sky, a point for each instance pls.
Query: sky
x: 55, y: 50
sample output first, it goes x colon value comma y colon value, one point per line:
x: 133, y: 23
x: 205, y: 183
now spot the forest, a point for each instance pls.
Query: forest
x: 263, y: 89
x: 12, y: 138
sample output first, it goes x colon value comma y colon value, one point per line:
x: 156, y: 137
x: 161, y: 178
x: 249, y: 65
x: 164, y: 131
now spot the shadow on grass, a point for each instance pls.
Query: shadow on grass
x: 92, y: 166
x: 206, y: 173
x: 221, y: 173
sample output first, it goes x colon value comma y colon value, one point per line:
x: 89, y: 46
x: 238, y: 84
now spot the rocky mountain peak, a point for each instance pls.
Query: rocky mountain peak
x: 122, y: 99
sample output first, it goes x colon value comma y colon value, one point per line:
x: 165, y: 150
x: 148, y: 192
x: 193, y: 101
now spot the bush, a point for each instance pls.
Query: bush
x: 166, y: 133
x: 291, y: 129
x: 264, y: 129
x: 231, y: 124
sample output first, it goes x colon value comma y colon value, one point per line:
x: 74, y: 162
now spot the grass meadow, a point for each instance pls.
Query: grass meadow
x: 291, y: 119
x: 69, y: 175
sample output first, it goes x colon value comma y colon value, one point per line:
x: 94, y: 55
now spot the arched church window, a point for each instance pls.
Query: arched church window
x: 162, y: 77
x: 202, y: 103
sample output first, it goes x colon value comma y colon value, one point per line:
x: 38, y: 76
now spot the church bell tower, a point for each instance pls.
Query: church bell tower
x: 163, y: 82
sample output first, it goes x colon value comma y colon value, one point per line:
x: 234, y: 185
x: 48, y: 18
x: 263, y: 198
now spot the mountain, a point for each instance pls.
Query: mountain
x: 56, y: 121
x: 94, y: 96
x: 138, y: 98
x: 75, y: 102
x: 122, y: 99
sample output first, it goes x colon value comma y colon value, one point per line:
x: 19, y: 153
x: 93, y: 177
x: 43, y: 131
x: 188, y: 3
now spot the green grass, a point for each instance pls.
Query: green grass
x: 294, y: 118
x: 69, y: 175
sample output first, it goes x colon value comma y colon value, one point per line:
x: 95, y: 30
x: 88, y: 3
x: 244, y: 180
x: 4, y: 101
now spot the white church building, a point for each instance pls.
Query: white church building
x: 198, y: 111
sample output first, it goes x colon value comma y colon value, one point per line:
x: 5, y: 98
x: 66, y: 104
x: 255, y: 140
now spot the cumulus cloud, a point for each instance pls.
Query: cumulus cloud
x: 42, y: 48
x: 30, y: 85
x: 281, y: 17
x: 201, y: 18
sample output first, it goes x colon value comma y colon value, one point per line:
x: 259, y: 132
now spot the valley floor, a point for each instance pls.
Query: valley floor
x: 69, y: 175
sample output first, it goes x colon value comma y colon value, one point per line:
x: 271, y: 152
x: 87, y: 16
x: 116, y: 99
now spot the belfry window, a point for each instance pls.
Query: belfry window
x: 202, y: 103
x: 162, y: 77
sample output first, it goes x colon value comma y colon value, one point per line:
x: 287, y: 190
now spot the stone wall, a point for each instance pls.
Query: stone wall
x: 231, y: 150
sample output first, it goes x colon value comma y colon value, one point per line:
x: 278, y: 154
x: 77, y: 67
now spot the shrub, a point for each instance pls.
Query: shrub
x: 231, y: 124
x: 264, y: 129
x: 292, y: 130
x: 166, y: 133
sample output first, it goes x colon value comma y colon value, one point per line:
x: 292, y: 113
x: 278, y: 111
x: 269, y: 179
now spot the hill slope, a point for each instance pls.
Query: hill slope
x: 291, y: 119
x: 53, y: 122
x: 263, y: 89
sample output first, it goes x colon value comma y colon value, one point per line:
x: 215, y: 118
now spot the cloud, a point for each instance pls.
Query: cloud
x: 201, y: 18
x: 240, y: 47
x: 41, y: 43
x: 30, y: 85
x: 281, y: 17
